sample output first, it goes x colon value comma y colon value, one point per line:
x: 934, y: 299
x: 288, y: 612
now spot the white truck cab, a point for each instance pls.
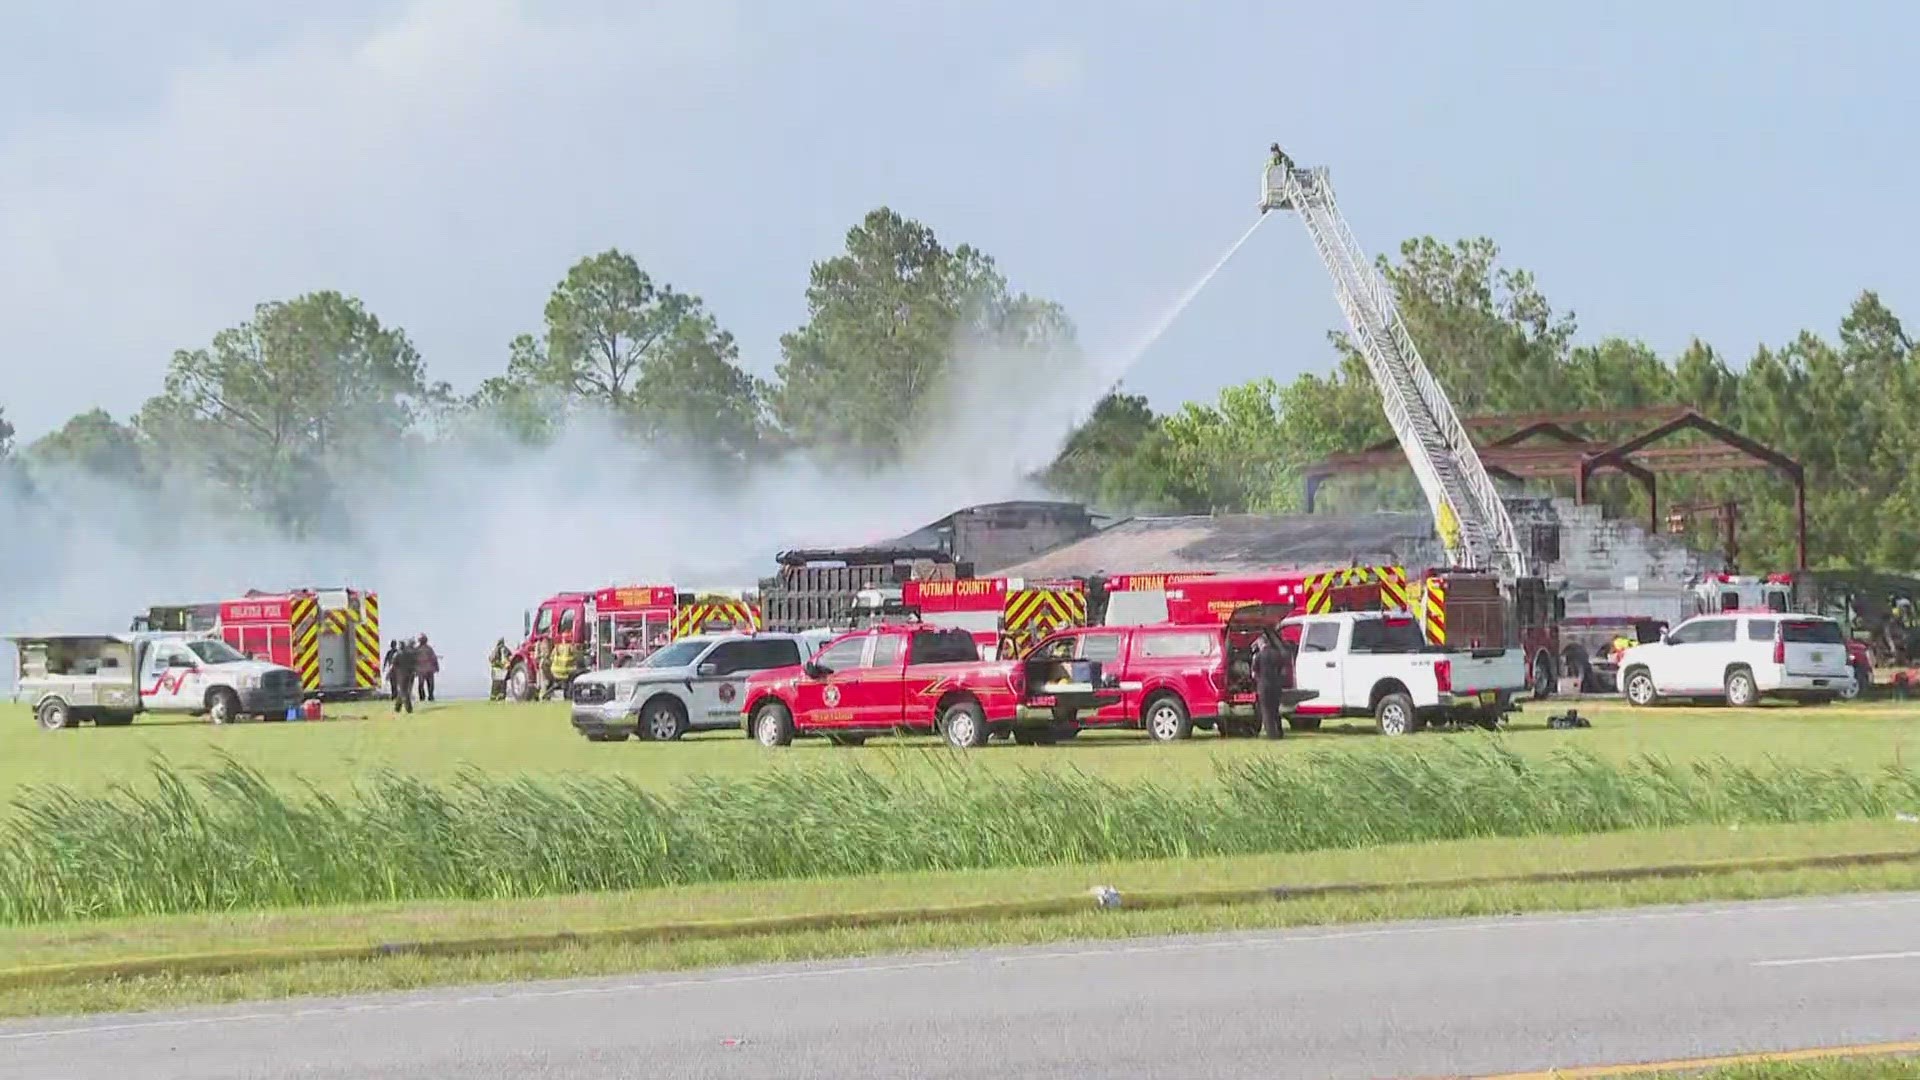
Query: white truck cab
x: 1378, y: 664
x: 694, y: 684
x: 1741, y: 657
x: 111, y: 678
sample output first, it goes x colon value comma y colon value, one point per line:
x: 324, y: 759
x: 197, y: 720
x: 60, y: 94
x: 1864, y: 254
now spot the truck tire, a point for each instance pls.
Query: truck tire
x: 964, y: 725
x: 1166, y: 719
x: 519, y: 683
x: 1862, y: 680
x: 1742, y: 692
x: 223, y: 706
x: 1542, y: 677
x: 54, y: 715
x: 1303, y: 723
x: 772, y: 725
x: 1640, y: 688
x: 1394, y: 714
x: 663, y: 719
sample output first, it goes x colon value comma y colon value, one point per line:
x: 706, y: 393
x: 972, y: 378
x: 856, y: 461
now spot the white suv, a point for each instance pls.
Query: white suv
x: 1741, y: 657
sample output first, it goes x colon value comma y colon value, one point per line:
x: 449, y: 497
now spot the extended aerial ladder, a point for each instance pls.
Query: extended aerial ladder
x: 1472, y: 521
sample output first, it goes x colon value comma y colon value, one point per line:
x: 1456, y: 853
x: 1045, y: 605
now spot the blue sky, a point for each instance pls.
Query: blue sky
x: 1733, y: 171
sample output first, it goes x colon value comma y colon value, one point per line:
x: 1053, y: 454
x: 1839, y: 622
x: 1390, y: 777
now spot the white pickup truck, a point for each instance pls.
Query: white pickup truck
x: 111, y: 678
x: 1377, y: 663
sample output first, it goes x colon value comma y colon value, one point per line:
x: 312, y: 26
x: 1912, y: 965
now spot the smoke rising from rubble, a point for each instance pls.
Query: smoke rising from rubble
x: 474, y: 528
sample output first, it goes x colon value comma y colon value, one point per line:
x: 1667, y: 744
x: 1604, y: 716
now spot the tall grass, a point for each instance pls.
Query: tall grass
x: 226, y: 838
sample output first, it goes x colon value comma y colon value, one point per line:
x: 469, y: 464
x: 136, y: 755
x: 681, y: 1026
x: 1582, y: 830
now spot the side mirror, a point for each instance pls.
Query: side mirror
x: 707, y: 671
x: 815, y: 670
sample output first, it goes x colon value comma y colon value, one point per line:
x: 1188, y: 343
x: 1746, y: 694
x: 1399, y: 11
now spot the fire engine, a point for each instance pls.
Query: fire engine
x: 1006, y: 616
x: 617, y: 626
x: 330, y: 636
x: 1462, y: 608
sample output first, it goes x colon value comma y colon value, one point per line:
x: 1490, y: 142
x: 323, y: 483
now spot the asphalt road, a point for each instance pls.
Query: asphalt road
x: 1406, y: 999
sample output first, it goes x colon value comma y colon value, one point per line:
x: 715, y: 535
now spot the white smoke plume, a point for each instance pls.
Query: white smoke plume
x: 468, y: 533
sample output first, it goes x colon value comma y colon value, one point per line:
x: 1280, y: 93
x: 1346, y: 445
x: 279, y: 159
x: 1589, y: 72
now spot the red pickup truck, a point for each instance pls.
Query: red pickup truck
x: 918, y: 679
x: 1172, y: 678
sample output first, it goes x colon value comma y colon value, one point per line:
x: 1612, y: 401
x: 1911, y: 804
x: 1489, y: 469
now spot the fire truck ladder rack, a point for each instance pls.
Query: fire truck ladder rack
x: 1472, y: 521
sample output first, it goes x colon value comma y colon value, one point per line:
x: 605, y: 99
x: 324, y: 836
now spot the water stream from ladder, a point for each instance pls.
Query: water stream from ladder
x: 1124, y: 361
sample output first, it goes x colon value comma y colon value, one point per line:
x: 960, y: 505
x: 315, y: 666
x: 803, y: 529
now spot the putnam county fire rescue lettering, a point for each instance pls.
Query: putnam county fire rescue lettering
x: 971, y: 587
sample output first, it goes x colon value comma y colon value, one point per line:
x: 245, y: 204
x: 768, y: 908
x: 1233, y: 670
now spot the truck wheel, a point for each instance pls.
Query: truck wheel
x: 54, y: 715
x: 1062, y: 732
x: 1394, y: 715
x: 663, y: 720
x: 964, y: 725
x: 1862, y: 678
x: 1166, y: 719
x: 1542, y: 677
x: 519, y: 683
x: 772, y: 725
x: 1741, y: 691
x: 223, y: 706
x: 1640, y: 689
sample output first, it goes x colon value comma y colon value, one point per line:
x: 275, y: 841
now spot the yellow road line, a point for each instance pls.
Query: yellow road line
x: 1691, y: 1064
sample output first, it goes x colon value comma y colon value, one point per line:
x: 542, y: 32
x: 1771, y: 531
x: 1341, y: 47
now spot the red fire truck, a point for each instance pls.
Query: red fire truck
x: 330, y: 636
x: 1463, y: 608
x: 1146, y: 599
x: 1004, y: 615
x: 617, y: 626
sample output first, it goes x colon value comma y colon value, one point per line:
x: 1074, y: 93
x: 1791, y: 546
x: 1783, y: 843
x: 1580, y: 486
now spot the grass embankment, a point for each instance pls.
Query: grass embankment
x: 536, y: 740
x: 231, y: 839
x: 1406, y: 870
x: 1895, y: 1067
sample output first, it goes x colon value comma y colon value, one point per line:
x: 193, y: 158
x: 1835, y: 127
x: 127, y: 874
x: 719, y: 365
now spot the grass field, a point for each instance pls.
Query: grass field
x: 536, y: 740
x: 1408, y: 870
x: 1840, y: 762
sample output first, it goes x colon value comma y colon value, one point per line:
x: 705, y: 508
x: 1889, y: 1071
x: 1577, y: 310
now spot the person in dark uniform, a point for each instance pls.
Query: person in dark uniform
x: 400, y: 672
x: 1269, y: 679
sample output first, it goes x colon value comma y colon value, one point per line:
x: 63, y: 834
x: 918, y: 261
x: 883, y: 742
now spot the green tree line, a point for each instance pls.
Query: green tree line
x: 275, y: 416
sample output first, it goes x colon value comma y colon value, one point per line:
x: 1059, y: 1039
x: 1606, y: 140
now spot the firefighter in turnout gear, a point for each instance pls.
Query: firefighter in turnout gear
x: 497, y: 663
x: 1269, y: 680
x: 566, y: 663
x: 542, y: 669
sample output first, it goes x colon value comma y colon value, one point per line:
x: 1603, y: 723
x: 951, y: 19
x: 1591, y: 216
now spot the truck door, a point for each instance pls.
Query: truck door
x: 721, y: 677
x: 169, y: 682
x: 818, y: 701
x: 1106, y: 648
x: 1317, y: 668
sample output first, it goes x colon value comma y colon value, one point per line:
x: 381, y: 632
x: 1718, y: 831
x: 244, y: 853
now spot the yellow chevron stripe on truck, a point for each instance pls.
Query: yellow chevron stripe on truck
x: 1434, y: 611
x: 366, y: 644
x: 305, y: 616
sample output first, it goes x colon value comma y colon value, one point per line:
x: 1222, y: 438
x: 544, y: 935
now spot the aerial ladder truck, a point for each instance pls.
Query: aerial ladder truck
x: 1484, y: 554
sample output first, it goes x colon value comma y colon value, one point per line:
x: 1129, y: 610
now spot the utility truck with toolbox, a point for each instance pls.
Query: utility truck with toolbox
x: 112, y: 678
x: 1379, y: 664
x: 916, y: 679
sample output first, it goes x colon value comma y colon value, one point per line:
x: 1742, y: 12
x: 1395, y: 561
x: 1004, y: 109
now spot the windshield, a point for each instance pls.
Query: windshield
x: 678, y: 654
x: 214, y: 652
